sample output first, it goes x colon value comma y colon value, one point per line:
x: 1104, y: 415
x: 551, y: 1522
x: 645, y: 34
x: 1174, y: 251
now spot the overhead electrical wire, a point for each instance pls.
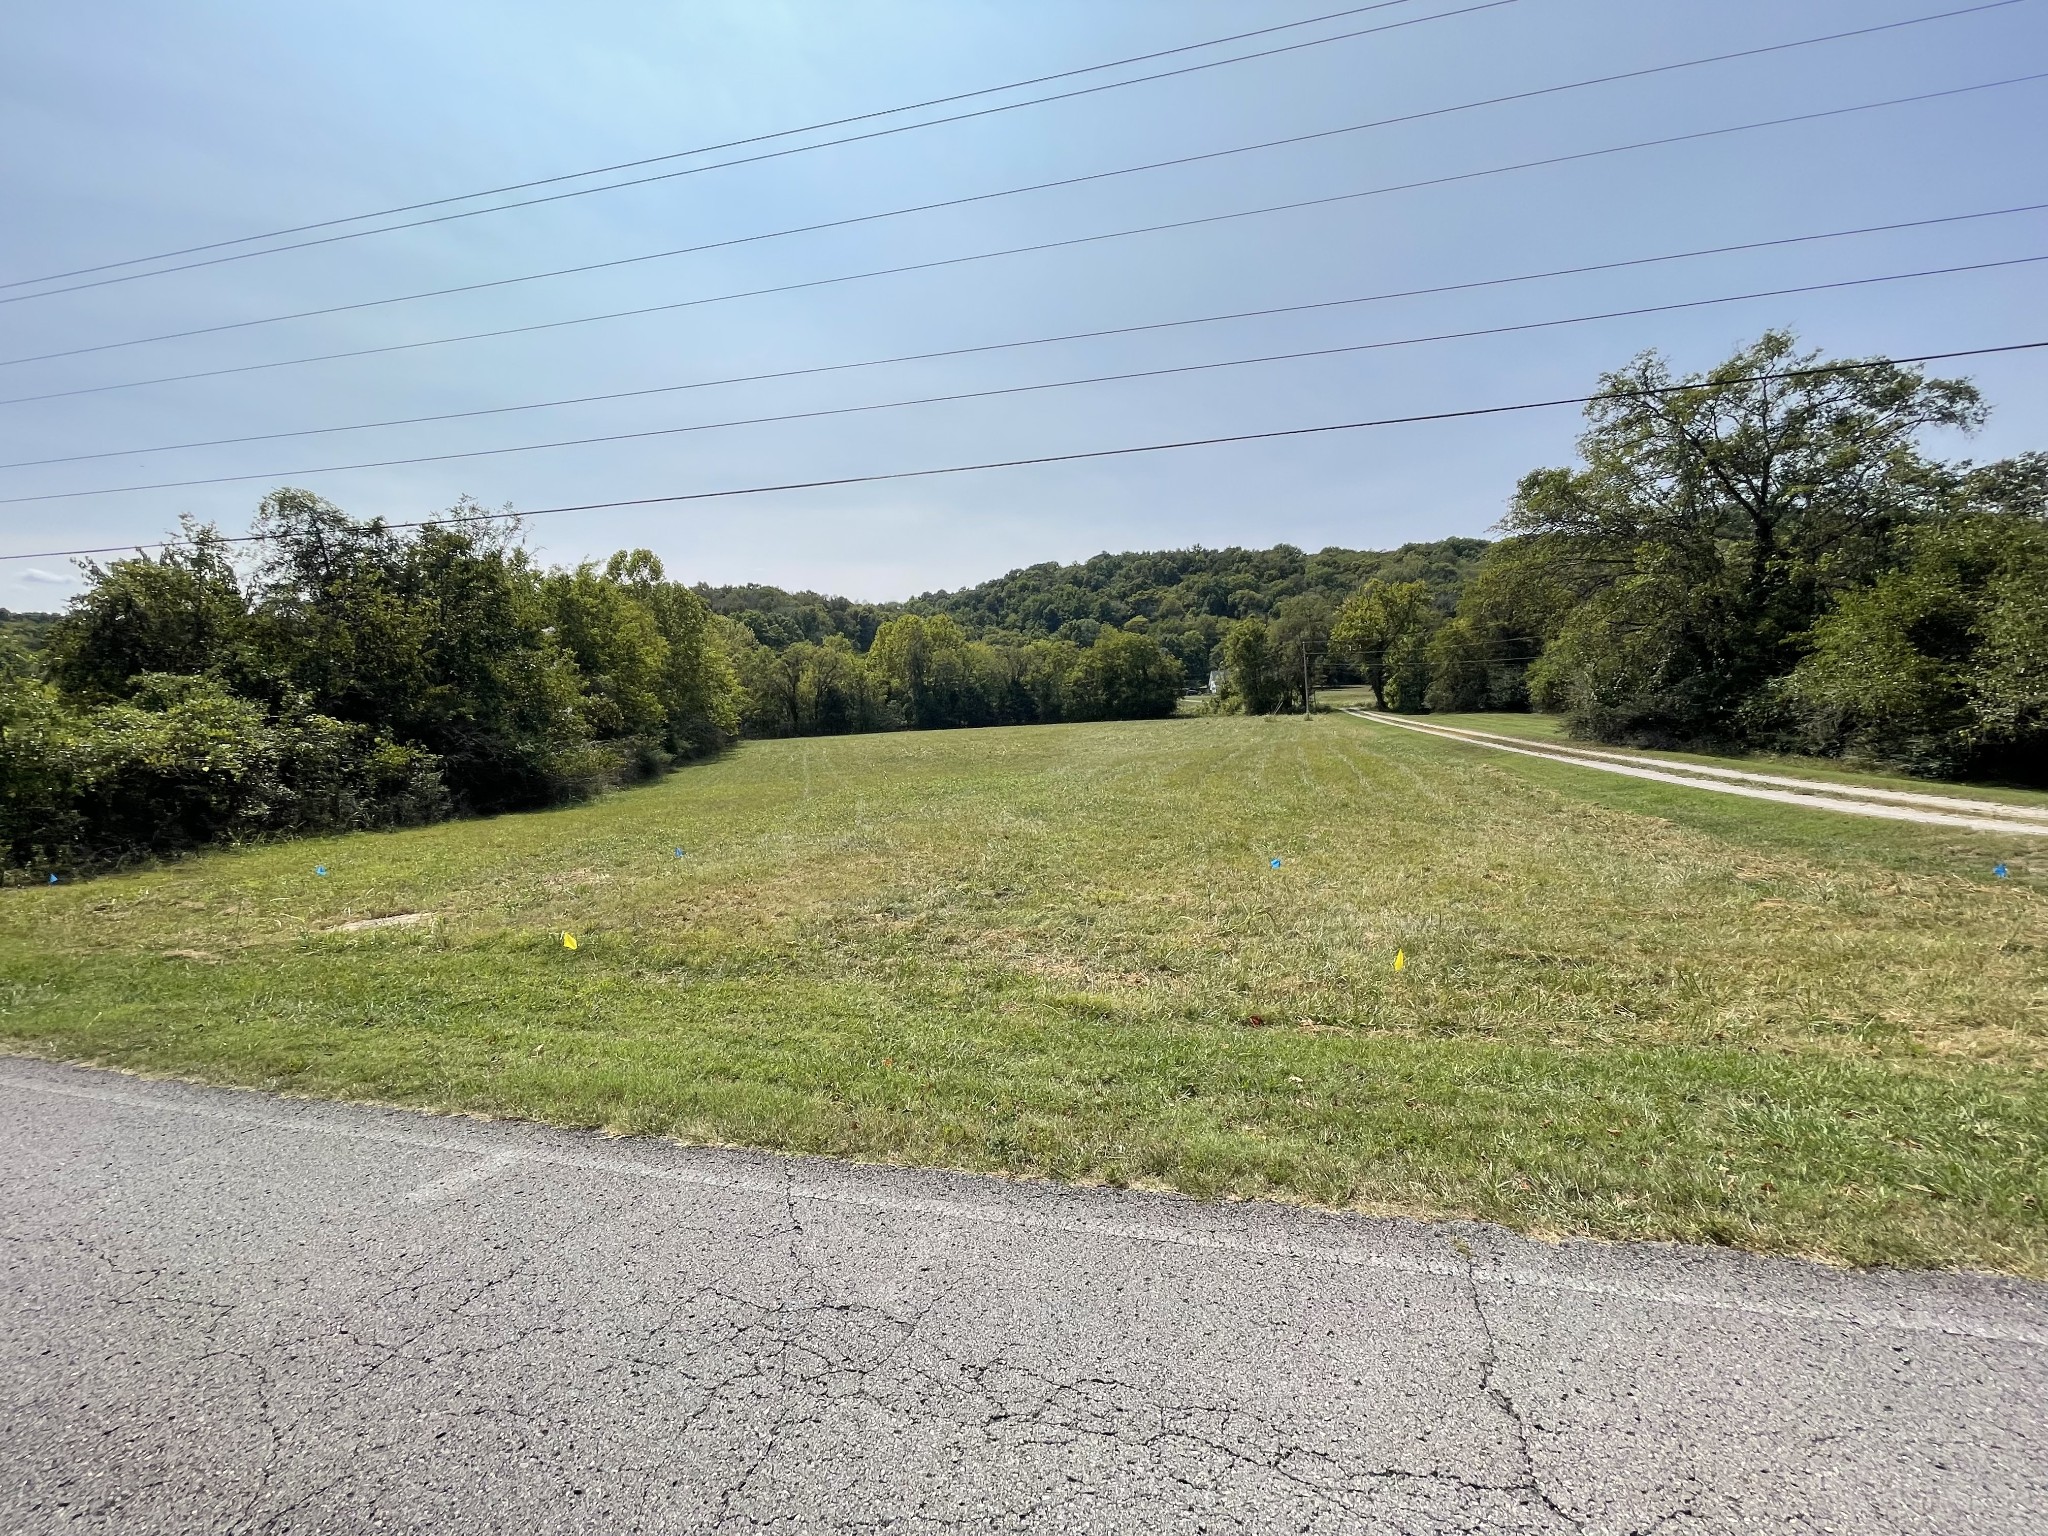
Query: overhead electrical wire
x: 1096, y: 454
x: 1018, y: 389
x: 704, y: 149
x: 613, y: 263
x: 1989, y: 5
x: 1175, y: 224
x: 1268, y: 312
x: 1483, y: 5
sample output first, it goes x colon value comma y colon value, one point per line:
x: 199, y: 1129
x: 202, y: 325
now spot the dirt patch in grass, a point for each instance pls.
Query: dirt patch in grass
x: 395, y: 920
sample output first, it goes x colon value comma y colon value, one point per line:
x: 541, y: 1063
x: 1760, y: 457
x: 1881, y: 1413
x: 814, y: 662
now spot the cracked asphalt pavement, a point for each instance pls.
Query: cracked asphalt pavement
x: 225, y: 1312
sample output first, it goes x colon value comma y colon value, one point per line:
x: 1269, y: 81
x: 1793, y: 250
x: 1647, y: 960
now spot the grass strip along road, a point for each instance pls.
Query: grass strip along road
x: 1629, y: 1009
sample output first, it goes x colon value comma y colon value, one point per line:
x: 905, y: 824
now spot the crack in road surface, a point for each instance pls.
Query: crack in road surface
x: 226, y: 1312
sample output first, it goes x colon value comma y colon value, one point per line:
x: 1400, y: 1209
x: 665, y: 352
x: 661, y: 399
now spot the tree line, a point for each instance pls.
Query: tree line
x: 342, y: 674
x: 1185, y: 600
x: 347, y: 675
x: 1764, y: 556
x: 926, y: 672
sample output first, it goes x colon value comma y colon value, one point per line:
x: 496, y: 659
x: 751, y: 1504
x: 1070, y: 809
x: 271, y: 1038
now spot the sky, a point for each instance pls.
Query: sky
x: 128, y: 129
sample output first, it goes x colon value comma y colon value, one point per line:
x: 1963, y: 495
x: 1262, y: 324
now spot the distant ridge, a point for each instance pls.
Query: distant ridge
x: 1186, y: 598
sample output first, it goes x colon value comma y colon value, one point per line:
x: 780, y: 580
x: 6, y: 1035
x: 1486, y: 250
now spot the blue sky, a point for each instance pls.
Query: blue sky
x: 128, y: 128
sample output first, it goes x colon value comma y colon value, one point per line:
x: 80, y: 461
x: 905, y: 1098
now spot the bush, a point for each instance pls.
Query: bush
x: 1940, y: 666
x: 187, y: 763
x: 348, y: 675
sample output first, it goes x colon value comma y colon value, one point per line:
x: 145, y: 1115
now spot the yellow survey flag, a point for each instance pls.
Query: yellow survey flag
x: 568, y: 941
x: 1400, y: 959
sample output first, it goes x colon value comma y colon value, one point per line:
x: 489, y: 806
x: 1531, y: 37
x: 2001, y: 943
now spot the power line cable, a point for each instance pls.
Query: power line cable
x: 1170, y: 225
x: 1468, y: 413
x: 490, y: 284
x: 702, y: 149
x: 1023, y: 389
x: 1485, y: 5
x: 1033, y: 341
x: 1275, y: 434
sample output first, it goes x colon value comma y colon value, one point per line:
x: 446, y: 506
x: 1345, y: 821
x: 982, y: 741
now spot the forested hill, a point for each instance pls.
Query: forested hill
x: 1177, y: 584
x: 780, y: 619
x: 1186, y: 597
x: 31, y: 631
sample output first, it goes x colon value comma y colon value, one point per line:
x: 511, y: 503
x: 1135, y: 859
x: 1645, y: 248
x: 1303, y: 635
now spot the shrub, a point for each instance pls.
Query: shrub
x: 187, y: 763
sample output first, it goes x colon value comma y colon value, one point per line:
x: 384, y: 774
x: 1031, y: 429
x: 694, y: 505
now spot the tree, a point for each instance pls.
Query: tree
x: 839, y: 690
x: 924, y: 662
x: 1123, y: 676
x: 1385, y: 626
x: 619, y: 652
x: 1301, y: 641
x: 183, y: 611
x: 348, y: 674
x: 1258, y: 679
x: 1466, y: 673
x: 1716, y: 518
x: 1940, y: 665
x: 699, y: 693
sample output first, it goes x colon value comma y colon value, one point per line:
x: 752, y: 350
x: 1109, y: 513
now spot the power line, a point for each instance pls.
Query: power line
x: 1020, y: 389
x: 1170, y: 225
x: 358, y: 305
x: 1485, y: 5
x: 1034, y: 341
x: 1277, y: 434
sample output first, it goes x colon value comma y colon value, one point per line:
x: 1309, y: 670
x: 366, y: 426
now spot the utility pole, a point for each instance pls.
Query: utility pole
x: 1308, y: 698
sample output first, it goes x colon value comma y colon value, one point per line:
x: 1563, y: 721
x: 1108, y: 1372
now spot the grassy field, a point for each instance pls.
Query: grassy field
x: 1627, y: 1009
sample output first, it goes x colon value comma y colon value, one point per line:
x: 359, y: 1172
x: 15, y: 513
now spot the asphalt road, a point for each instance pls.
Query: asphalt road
x: 223, y: 1312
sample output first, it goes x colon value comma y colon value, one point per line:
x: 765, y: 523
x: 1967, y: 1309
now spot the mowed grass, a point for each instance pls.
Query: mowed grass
x: 1628, y: 1010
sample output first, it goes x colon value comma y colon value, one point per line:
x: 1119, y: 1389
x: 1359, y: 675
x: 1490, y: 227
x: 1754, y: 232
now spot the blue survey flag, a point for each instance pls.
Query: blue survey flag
x: 319, y: 869
x: 1276, y: 864
x: 1996, y: 869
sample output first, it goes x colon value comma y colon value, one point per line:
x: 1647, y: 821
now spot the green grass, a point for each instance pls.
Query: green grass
x: 1630, y: 1010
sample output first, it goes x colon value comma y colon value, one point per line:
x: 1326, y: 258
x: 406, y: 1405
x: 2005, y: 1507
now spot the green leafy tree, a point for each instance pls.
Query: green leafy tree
x: 1123, y: 676
x: 839, y: 691
x: 1715, y: 519
x: 621, y: 657
x: 1385, y: 627
x: 1941, y: 664
x: 351, y: 674
x: 768, y: 684
x: 181, y: 611
x: 1301, y: 641
x: 699, y: 693
x: 924, y: 663
x: 1045, y: 670
x: 1257, y: 671
x: 1513, y: 604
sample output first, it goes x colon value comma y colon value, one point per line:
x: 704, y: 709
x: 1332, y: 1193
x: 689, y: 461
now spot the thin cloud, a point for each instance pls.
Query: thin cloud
x: 49, y: 578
